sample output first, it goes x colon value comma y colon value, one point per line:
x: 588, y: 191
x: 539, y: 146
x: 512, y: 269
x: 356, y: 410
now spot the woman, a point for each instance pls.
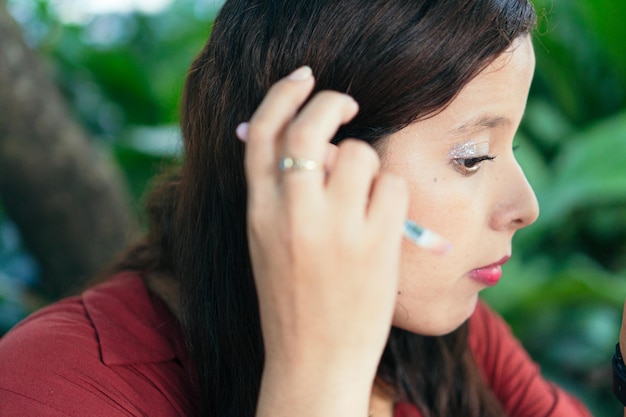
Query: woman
x: 275, y: 279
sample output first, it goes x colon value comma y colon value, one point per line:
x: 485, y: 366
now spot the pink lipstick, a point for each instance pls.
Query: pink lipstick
x: 490, y: 274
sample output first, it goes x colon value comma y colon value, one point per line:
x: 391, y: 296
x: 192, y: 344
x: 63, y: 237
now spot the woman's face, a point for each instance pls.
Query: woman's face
x: 466, y: 185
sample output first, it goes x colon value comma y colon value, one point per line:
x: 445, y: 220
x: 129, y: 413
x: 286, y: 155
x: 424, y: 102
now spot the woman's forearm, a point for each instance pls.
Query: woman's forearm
x: 314, y: 391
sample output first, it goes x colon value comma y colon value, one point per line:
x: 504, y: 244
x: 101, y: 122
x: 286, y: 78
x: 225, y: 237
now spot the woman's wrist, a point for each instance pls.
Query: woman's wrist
x: 314, y: 389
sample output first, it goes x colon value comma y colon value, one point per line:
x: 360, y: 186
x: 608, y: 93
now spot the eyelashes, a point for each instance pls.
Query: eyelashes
x: 467, y: 158
x: 469, y: 166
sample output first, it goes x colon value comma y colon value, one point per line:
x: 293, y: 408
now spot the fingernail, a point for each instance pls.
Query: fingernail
x: 242, y: 131
x: 301, y: 73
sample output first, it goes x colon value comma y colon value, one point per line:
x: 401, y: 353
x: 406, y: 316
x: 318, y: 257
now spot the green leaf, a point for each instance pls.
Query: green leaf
x: 589, y: 172
x: 606, y: 19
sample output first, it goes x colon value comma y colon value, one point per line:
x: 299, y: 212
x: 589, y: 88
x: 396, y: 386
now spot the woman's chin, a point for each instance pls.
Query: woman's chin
x: 435, y: 323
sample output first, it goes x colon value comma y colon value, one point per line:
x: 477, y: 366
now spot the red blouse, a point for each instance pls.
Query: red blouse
x: 117, y: 351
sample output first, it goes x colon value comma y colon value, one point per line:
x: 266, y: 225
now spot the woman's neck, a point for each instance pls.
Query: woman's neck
x: 165, y: 287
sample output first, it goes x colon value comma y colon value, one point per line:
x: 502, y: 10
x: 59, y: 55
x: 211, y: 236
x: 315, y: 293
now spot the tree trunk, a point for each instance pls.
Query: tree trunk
x: 66, y: 196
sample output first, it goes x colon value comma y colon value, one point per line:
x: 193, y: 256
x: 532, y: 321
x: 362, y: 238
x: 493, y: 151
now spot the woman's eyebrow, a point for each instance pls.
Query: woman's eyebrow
x: 478, y: 124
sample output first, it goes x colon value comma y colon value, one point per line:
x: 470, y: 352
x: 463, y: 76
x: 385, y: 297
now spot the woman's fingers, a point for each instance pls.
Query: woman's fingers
x: 331, y: 157
x: 287, y: 147
x: 350, y: 180
x: 313, y: 128
x: 280, y: 137
x: 307, y: 138
x: 268, y: 123
x: 389, y: 201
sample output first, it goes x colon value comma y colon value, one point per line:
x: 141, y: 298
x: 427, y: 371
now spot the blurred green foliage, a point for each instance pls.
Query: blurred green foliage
x: 563, y: 290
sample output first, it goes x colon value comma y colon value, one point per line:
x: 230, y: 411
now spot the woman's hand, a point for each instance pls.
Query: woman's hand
x: 325, y: 236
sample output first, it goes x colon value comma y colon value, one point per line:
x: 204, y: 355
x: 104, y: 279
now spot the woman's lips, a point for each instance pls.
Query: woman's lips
x: 490, y: 274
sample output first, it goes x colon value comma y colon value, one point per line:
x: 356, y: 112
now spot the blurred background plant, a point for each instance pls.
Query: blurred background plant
x: 121, y: 71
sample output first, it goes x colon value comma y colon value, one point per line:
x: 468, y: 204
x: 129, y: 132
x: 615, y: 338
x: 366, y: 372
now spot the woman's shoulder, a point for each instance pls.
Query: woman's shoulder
x: 72, y: 324
x: 511, y: 373
x: 109, y: 349
x: 495, y: 348
x: 53, y: 332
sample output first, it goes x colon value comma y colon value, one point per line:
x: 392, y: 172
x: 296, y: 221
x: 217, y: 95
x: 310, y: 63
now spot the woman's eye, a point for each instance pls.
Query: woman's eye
x: 469, y: 166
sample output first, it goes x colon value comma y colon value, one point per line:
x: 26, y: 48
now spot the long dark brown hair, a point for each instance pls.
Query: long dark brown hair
x: 402, y: 60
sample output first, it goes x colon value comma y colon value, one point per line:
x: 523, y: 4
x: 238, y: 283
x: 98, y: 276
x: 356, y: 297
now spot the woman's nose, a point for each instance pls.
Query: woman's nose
x: 517, y: 205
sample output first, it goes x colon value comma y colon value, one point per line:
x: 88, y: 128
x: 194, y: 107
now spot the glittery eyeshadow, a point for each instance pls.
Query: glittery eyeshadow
x: 469, y: 150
